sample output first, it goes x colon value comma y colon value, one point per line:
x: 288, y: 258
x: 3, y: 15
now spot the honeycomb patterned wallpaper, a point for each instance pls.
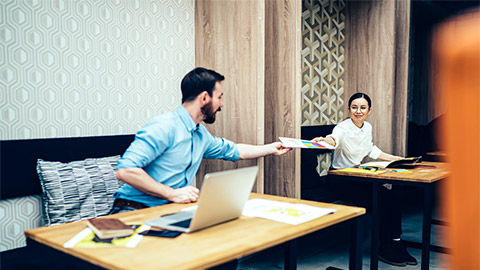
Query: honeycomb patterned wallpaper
x: 74, y: 68
x: 16, y: 216
x: 323, y: 38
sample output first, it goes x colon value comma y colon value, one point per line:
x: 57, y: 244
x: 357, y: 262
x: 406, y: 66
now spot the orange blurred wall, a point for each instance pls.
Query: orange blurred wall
x: 457, y: 48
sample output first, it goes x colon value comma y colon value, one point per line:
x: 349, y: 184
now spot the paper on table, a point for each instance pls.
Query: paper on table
x: 408, y: 161
x: 366, y: 171
x: 86, y: 238
x: 298, y: 143
x: 380, y: 164
x: 291, y: 213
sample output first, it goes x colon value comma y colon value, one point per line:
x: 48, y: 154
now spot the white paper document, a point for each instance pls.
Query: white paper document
x: 291, y: 213
x: 86, y: 238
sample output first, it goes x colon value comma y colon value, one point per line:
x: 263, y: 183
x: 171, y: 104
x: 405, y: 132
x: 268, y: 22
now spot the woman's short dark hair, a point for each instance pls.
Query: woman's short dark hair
x: 199, y: 80
x: 360, y: 95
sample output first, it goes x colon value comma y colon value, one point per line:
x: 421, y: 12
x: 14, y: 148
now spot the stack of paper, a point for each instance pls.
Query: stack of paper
x: 291, y: 213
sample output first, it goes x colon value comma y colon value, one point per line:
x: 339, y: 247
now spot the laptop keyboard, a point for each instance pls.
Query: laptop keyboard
x: 183, y: 223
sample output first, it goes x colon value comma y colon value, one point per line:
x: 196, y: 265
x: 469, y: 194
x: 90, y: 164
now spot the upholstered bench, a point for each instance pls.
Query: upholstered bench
x: 50, y: 181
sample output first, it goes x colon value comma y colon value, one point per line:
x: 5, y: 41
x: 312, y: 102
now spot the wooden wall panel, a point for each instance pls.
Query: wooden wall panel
x: 229, y: 38
x: 402, y: 45
x: 282, y: 93
x: 374, y: 65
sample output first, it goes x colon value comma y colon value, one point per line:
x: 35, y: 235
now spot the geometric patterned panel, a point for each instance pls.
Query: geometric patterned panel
x: 73, y: 68
x: 323, y: 37
x: 16, y: 216
x: 324, y: 162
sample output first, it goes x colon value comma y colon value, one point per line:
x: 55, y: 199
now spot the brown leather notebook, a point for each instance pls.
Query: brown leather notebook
x: 106, y: 228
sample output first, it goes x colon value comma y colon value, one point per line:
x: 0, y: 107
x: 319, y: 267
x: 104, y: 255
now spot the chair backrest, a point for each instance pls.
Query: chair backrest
x: 313, y: 186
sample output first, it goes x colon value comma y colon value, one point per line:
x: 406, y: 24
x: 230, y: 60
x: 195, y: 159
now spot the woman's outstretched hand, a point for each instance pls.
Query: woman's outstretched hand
x: 327, y: 139
x: 318, y: 139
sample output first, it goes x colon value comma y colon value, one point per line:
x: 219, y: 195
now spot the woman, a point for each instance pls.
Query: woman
x: 353, y: 141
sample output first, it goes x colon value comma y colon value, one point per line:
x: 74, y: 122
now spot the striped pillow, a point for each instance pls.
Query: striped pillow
x: 78, y: 189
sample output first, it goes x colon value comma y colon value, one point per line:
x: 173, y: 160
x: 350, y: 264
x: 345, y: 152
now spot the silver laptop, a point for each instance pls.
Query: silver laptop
x: 222, y: 198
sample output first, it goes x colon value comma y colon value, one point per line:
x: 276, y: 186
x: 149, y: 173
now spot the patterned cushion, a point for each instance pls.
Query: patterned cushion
x: 77, y: 190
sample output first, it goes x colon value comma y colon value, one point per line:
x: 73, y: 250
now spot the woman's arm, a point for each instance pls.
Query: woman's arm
x: 388, y: 157
x: 329, y: 139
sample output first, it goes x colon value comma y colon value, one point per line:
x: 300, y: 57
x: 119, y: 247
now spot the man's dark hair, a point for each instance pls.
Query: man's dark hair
x: 199, y: 80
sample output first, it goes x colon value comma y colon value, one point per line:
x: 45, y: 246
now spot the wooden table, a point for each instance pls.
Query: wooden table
x: 206, y: 248
x: 421, y: 176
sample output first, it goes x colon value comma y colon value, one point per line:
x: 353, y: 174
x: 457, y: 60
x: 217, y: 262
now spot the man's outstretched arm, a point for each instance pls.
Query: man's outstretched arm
x: 248, y: 151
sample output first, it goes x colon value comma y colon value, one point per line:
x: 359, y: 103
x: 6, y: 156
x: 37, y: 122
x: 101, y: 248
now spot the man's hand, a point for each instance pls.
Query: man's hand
x: 186, y: 194
x: 279, y: 149
x: 139, y: 179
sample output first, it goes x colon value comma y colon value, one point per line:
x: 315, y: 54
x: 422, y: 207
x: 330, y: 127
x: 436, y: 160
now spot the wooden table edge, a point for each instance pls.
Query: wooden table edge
x: 353, y: 213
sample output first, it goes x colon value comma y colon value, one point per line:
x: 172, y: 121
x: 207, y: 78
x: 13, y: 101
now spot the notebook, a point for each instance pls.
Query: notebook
x: 222, y: 198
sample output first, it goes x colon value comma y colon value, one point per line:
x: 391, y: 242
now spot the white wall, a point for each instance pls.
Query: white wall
x: 74, y: 68
x: 90, y: 68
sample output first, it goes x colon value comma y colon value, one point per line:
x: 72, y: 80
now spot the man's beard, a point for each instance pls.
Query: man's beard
x: 207, y: 111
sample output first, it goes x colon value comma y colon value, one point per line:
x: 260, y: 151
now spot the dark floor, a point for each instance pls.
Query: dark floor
x: 329, y: 247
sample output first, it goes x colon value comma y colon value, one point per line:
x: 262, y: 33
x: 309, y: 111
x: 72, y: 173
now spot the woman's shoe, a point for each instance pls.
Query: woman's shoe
x: 409, y: 259
x: 391, y: 253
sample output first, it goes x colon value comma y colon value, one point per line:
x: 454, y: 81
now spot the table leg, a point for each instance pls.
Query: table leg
x: 427, y: 218
x: 355, y: 244
x: 375, y: 227
x: 291, y: 248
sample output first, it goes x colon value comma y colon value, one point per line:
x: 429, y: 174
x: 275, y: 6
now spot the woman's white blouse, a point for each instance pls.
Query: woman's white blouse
x: 352, y: 144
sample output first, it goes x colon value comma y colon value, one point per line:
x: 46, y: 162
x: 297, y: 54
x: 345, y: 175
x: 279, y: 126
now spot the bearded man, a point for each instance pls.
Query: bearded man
x: 161, y: 163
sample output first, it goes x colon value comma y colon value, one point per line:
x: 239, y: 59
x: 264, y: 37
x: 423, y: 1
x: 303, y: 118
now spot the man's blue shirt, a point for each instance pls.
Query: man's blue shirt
x: 170, y: 149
